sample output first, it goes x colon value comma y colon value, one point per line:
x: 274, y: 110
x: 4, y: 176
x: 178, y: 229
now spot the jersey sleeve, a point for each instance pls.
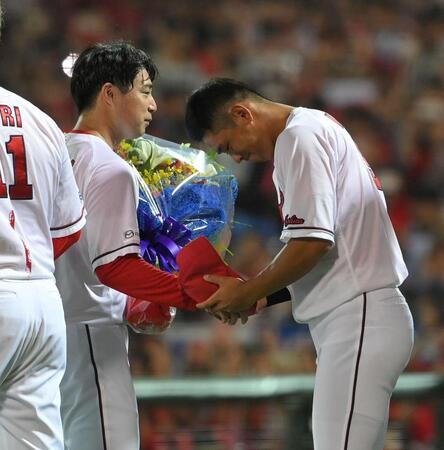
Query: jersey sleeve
x: 60, y: 245
x: 111, y: 201
x: 68, y: 213
x: 307, y: 185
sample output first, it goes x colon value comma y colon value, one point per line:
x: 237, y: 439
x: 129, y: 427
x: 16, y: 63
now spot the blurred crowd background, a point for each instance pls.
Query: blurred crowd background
x: 377, y: 66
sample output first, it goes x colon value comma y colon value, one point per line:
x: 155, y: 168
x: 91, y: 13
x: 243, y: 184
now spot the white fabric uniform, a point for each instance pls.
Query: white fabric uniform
x: 39, y: 200
x: 97, y: 376
x: 350, y: 300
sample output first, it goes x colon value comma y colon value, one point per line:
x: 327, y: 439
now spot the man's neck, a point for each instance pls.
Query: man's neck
x: 88, y: 123
x: 274, y: 120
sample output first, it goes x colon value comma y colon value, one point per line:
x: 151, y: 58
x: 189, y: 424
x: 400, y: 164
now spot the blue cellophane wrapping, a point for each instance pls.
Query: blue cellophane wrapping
x: 200, y: 205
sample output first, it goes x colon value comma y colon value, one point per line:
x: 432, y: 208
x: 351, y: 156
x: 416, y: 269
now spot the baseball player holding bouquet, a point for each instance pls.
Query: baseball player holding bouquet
x: 104, y: 282
x: 109, y: 279
x: 341, y: 261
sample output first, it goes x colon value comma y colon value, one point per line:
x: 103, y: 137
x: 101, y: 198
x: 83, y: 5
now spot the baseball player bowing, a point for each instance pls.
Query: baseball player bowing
x: 341, y: 260
x: 102, y: 275
x: 41, y: 215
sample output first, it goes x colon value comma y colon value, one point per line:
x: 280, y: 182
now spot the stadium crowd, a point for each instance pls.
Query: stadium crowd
x: 376, y: 66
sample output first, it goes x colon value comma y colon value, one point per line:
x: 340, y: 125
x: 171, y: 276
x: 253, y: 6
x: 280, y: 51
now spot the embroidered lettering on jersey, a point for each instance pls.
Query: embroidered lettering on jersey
x: 10, y: 118
x: 293, y: 220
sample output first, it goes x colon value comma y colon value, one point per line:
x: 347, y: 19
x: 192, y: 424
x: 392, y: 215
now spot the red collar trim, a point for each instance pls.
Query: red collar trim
x: 82, y: 132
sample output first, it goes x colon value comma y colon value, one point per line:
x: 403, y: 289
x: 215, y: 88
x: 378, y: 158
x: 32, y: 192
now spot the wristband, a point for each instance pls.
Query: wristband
x: 281, y: 296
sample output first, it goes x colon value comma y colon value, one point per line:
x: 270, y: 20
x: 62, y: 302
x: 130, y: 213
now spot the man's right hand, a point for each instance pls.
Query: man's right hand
x: 147, y: 317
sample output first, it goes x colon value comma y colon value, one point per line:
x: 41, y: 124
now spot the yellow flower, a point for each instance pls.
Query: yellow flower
x: 125, y: 146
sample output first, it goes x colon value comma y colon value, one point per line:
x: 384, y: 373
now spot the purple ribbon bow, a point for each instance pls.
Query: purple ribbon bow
x: 164, y: 244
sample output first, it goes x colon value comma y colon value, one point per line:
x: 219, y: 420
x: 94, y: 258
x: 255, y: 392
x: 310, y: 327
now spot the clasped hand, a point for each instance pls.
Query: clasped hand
x: 230, y: 302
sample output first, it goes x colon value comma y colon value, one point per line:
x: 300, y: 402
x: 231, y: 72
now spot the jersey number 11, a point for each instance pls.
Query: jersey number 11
x: 21, y: 189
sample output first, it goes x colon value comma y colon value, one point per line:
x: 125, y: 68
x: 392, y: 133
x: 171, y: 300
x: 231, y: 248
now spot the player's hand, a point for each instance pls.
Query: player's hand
x: 228, y: 298
x: 147, y: 317
x: 260, y: 305
x: 243, y: 316
x: 231, y: 318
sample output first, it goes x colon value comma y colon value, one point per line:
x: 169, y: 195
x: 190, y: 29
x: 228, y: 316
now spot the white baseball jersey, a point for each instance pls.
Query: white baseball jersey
x: 110, y: 192
x: 39, y: 199
x: 326, y: 190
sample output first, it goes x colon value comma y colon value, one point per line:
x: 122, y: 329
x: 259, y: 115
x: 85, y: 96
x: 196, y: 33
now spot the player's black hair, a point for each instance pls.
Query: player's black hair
x: 117, y: 63
x: 204, y: 104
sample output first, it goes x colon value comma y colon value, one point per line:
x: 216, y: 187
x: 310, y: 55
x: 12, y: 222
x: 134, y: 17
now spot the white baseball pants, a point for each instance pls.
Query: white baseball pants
x: 32, y: 361
x: 99, y: 408
x: 362, y: 347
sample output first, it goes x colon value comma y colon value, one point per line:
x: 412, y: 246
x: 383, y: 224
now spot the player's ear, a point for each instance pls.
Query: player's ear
x: 241, y: 114
x: 107, y: 93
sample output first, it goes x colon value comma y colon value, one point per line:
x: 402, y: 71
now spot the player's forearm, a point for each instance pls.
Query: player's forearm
x: 133, y: 276
x: 295, y: 260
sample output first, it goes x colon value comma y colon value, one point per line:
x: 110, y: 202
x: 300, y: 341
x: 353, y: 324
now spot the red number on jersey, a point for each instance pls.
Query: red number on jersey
x: 3, y: 188
x: 372, y: 174
x: 21, y: 189
x: 375, y: 179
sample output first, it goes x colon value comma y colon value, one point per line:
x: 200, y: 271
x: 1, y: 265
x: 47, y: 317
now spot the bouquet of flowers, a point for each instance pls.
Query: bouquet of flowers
x: 183, y: 194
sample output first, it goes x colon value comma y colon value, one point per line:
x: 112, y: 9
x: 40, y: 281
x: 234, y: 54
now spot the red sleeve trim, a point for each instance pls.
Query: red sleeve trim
x: 62, y: 244
x: 91, y: 132
x: 70, y: 224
